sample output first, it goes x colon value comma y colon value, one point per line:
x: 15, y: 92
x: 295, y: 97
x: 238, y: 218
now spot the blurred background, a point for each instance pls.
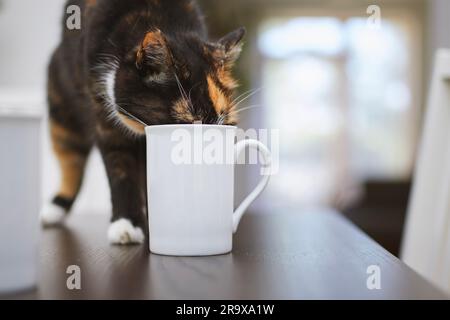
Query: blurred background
x: 346, y: 95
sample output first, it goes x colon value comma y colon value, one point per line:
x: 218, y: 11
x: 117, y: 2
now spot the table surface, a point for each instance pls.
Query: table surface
x: 310, y: 255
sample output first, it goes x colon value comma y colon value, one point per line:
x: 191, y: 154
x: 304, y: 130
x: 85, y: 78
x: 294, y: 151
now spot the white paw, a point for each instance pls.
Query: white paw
x: 122, y: 231
x: 52, y: 215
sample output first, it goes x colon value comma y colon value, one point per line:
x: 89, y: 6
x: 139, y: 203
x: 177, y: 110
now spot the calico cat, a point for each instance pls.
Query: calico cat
x: 133, y: 63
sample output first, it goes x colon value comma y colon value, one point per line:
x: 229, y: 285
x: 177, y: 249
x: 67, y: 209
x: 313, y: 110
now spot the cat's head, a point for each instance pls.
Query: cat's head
x: 177, y: 79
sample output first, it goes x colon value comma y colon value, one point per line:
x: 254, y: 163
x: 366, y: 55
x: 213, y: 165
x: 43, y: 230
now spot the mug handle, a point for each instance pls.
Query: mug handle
x: 266, y: 165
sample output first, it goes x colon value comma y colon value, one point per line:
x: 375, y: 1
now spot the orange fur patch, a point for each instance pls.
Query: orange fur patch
x: 181, y: 111
x: 216, y: 95
x: 226, y: 79
x: 133, y: 125
x: 154, y: 40
x: 71, y: 162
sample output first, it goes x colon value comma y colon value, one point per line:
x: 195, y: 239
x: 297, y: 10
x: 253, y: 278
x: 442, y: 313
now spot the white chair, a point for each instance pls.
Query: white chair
x: 426, y: 242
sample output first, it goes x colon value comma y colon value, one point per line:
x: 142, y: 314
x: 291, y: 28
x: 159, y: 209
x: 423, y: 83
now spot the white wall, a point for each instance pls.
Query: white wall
x: 29, y: 31
x: 438, y: 24
x: 436, y: 34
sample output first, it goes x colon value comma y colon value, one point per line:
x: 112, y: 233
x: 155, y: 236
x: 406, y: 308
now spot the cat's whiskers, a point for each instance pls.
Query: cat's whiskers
x: 233, y: 112
x: 245, y: 93
x: 128, y: 114
x: 236, y: 102
x: 190, y: 91
x: 248, y: 96
x: 183, y: 93
x: 127, y: 103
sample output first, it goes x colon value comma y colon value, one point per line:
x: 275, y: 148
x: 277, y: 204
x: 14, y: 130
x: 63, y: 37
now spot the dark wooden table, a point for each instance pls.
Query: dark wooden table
x: 315, y: 255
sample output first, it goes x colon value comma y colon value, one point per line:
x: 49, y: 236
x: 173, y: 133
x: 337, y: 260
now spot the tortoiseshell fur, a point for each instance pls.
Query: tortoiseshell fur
x: 132, y: 63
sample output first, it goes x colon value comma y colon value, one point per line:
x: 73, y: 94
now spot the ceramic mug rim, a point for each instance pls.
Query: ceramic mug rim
x: 188, y: 126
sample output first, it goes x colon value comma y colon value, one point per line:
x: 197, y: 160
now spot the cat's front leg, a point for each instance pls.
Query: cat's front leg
x: 125, y: 166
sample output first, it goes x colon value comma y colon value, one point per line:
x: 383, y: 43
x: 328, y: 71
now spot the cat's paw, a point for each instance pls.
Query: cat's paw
x: 52, y: 215
x: 122, y: 231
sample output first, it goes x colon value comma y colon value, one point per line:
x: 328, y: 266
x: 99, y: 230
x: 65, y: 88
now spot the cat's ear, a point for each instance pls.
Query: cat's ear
x: 153, y: 54
x: 231, y: 45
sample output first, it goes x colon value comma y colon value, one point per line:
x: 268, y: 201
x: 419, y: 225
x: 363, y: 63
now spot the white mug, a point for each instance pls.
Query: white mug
x: 190, y: 185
